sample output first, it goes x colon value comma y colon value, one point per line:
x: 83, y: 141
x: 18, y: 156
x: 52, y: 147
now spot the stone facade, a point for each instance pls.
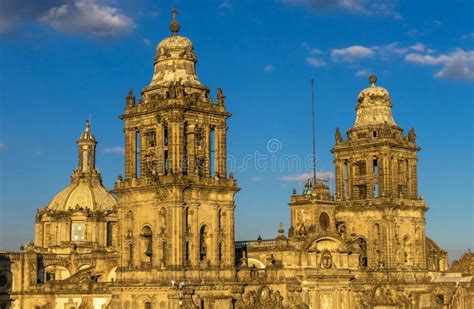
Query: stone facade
x: 164, y: 237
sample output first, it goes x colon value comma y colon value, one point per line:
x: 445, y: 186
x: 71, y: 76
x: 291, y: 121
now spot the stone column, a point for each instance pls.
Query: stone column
x: 160, y: 149
x: 349, y: 179
x: 340, y: 180
x: 130, y: 153
x: 207, y: 151
x: 229, y: 236
x: 220, y: 150
x: 191, y: 149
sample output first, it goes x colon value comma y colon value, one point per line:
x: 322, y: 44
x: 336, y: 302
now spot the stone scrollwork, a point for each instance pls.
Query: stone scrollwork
x: 263, y: 298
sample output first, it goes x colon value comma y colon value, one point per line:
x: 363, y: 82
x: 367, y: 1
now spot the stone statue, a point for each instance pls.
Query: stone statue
x: 412, y: 135
x: 338, y: 136
x: 220, y: 97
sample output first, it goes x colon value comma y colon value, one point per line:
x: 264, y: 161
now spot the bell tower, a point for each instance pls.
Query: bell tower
x: 176, y: 204
x: 376, y: 182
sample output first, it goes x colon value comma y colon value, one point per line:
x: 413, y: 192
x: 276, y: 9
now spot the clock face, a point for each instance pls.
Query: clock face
x: 78, y: 231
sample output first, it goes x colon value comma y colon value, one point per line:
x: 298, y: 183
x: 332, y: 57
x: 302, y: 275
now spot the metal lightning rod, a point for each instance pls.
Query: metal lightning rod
x: 314, y: 133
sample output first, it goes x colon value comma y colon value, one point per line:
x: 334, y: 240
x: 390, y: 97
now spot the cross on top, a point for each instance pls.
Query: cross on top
x: 174, y: 26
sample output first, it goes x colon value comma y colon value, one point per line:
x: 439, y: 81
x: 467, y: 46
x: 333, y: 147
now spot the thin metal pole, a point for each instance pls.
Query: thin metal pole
x: 314, y: 134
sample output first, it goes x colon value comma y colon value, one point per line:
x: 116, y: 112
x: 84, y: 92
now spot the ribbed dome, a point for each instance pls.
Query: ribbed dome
x: 83, y: 194
x: 87, y: 135
x: 175, y: 63
x: 374, y: 106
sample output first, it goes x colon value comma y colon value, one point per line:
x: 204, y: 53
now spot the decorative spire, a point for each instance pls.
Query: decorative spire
x: 174, y: 26
x: 88, y: 127
x: 372, y: 80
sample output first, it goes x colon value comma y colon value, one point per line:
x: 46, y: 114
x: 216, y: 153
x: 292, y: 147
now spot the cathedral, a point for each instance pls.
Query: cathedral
x: 163, y: 237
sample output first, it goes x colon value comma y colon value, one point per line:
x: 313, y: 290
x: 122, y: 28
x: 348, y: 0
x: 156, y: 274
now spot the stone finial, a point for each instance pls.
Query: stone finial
x: 174, y: 26
x: 372, y: 80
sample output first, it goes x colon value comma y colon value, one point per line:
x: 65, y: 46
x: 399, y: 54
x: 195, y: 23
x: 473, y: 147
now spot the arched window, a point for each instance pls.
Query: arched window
x: 186, y: 252
x: 363, y: 261
x: 147, y: 305
x: 324, y: 221
x: 147, y: 236
x: 220, y: 252
x: 203, y: 242
x: 110, y: 235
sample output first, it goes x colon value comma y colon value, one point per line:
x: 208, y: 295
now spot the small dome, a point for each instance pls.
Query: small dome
x: 87, y: 135
x: 374, y: 106
x: 175, y: 42
x: 83, y: 194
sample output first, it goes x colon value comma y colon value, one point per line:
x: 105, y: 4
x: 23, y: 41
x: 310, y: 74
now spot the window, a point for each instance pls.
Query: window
x: 78, y: 231
x: 324, y: 221
x: 165, y: 135
x: 147, y: 305
x: 361, y: 167
x: 109, y: 234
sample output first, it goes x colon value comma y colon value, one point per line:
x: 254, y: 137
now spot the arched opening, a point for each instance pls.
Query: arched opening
x: 220, y: 252
x: 203, y: 243
x: 147, y: 244
x: 363, y: 260
x: 324, y: 222
x: 110, y: 234
x: 147, y: 305
x: 186, y: 253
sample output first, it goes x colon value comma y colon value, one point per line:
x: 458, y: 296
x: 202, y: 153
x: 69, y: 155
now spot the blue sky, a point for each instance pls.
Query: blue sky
x: 63, y: 60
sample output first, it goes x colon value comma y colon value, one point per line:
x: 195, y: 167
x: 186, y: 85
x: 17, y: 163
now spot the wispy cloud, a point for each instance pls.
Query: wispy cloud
x: 2, y: 146
x: 305, y: 176
x: 316, y: 62
x: 269, y: 68
x: 256, y: 179
x: 226, y: 4
x: 352, y: 53
x: 147, y: 42
x: 364, y: 73
x: 360, y: 7
x: 458, y: 65
x: 89, y: 18
x: 468, y: 36
x: 113, y: 150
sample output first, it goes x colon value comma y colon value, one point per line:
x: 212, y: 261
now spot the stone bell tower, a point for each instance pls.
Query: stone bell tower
x: 376, y: 184
x: 176, y: 201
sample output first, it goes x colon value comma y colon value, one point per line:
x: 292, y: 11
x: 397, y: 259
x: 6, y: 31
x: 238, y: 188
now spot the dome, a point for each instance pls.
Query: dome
x: 374, y: 106
x: 87, y: 135
x: 83, y: 194
x: 175, y: 61
x: 175, y: 42
x: 85, y: 189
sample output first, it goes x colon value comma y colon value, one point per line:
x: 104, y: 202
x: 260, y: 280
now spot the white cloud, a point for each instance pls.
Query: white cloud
x: 256, y: 178
x: 363, y: 73
x: 315, y: 51
x: 88, y: 18
x: 147, y: 42
x: 458, y: 65
x: 315, y: 62
x: 91, y: 18
x: 361, y: 7
x: 269, y: 68
x: 468, y: 36
x: 305, y: 176
x: 226, y: 4
x: 352, y: 53
x: 114, y: 150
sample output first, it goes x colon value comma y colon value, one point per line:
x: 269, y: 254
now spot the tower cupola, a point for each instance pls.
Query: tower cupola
x: 374, y: 106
